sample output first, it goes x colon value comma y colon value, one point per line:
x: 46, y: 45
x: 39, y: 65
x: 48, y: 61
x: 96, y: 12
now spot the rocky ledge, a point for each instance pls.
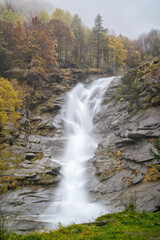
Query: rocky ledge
x: 126, y: 172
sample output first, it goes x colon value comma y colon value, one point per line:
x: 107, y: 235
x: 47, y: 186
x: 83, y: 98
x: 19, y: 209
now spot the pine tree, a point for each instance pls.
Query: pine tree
x: 98, y: 41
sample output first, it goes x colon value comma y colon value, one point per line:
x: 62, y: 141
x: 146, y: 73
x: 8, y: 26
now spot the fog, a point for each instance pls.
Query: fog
x: 128, y: 17
x: 31, y: 7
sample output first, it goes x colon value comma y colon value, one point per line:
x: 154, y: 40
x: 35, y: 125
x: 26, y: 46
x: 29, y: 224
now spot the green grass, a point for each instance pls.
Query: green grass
x: 121, y: 226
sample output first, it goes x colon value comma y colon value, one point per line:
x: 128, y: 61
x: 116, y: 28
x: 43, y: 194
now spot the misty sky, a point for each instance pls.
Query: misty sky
x: 128, y: 17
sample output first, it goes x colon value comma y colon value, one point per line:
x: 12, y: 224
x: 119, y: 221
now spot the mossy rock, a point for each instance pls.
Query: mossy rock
x: 46, y: 179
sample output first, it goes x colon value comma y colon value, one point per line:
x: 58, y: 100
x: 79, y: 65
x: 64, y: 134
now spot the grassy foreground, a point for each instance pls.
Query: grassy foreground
x: 124, y: 225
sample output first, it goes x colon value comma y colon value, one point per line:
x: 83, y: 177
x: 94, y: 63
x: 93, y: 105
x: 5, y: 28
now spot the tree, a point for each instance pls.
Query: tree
x: 87, y: 56
x: 78, y: 32
x: 98, y: 41
x: 34, y: 54
x: 67, y: 18
x: 63, y: 16
x: 117, y: 53
x: 58, y: 14
x: 7, y: 42
x: 62, y: 33
x: 133, y: 56
x: 152, y: 42
x: 148, y: 44
x: 11, y: 17
x: 9, y: 102
x: 43, y: 17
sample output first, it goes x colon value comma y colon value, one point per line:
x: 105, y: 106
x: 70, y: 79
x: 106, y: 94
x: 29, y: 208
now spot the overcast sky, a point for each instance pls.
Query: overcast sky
x: 128, y: 17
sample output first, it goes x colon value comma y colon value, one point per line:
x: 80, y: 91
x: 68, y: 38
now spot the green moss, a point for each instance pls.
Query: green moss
x: 46, y: 179
x: 9, y: 160
x: 9, y: 183
x: 38, y: 156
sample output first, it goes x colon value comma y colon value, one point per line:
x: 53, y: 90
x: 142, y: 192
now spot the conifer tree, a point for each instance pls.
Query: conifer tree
x: 98, y: 41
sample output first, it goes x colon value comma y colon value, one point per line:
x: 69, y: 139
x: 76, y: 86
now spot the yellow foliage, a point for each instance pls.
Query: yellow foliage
x: 119, y: 153
x: 127, y: 180
x: 117, y: 53
x: 9, y: 102
x: 20, y: 90
x: 152, y: 175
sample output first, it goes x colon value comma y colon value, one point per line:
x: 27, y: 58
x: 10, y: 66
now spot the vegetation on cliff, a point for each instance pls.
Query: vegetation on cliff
x: 9, y: 103
x: 141, y: 85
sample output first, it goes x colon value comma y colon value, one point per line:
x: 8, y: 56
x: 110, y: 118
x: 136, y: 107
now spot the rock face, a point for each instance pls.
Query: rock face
x: 122, y: 160
x: 119, y: 171
x: 22, y: 207
x: 33, y: 166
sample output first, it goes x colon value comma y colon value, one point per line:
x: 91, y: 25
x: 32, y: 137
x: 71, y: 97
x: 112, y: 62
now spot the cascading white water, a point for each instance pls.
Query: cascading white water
x: 72, y: 203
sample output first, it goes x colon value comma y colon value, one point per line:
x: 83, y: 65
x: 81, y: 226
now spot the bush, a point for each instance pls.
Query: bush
x: 156, y: 144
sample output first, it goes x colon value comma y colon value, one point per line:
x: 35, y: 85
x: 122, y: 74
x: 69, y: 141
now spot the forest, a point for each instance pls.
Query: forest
x: 35, y: 49
x: 39, y: 45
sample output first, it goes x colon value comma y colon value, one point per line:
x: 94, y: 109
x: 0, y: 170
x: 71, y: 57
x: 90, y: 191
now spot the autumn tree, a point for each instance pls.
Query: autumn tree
x: 43, y: 17
x: 63, y: 16
x: 35, y: 53
x: 133, y: 56
x: 117, y: 53
x: 58, y: 14
x: 78, y: 32
x: 62, y: 33
x: 7, y: 42
x: 11, y: 17
x: 9, y: 103
x: 67, y: 18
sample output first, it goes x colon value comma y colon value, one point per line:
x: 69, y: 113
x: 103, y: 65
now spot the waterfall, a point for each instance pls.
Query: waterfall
x: 72, y: 203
